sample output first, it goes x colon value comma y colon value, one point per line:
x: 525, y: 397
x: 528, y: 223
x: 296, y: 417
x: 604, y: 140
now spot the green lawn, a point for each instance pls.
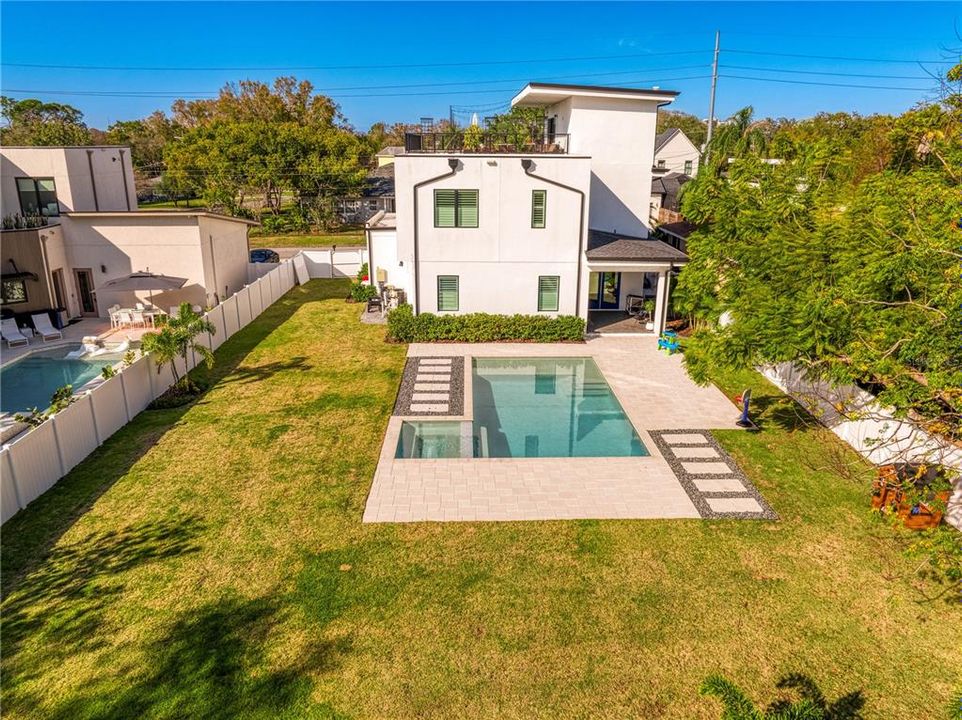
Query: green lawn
x: 210, y: 562
x: 350, y: 238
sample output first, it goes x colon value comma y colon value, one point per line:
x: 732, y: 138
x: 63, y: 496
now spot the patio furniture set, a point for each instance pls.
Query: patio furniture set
x: 137, y: 316
x: 15, y: 335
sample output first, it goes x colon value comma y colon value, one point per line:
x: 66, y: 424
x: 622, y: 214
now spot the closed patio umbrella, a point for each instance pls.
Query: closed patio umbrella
x: 143, y: 281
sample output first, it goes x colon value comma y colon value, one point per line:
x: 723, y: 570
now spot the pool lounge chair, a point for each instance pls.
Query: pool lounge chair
x: 41, y: 323
x: 11, y: 333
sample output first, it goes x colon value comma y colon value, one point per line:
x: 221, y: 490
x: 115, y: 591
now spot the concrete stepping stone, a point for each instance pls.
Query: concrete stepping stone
x: 695, y: 452
x: 734, y: 505
x: 432, y: 386
x: 717, y: 485
x: 685, y: 439
x: 434, y: 370
x: 429, y: 407
x: 434, y: 361
x: 427, y: 397
x: 707, y: 468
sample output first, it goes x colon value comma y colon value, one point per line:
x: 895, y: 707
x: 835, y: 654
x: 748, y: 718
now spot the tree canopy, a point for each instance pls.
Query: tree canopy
x: 34, y: 122
x: 695, y: 129
x: 844, y: 257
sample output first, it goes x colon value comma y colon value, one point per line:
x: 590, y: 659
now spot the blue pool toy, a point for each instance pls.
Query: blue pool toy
x: 668, y: 341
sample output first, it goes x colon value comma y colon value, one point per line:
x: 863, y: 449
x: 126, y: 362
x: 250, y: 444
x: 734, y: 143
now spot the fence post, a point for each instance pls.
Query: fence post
x: 330, y: 253
x: 13, y: 480
x: 93, y: 418
x: 123, y: 390
x: 56, y: 441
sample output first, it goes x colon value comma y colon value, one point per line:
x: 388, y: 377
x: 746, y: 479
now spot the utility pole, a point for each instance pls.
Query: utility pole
x: 711, y: 101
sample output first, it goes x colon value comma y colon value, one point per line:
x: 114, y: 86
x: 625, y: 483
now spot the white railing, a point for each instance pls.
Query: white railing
x: 35, y: 460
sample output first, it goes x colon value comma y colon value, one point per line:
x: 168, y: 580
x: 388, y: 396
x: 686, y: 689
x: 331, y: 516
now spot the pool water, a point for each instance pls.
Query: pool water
x: 531, y: 407
x: 31, y: 381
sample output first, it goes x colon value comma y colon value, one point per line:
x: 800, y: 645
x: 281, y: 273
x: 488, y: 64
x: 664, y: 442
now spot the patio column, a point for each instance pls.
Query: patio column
x: 661, y: 297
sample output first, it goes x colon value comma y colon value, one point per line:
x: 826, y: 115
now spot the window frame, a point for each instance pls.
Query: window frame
x: 458, y: 222
x: 557, y: 297
x: 36, y: 194
x: 544, y: 209
x: 660, y: 164
x: 457, y: 293
x: 689, y: 166
x: 4, y: 302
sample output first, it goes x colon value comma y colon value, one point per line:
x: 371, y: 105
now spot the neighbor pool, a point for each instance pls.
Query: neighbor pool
x: 530, y: 407
x: 30, y: 382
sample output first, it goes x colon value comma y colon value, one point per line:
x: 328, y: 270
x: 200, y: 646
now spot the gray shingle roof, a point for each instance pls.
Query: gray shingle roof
x: 663, y: 137
x: 612, y: 246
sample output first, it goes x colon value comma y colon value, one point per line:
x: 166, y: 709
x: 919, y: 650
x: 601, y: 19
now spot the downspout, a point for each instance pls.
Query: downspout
x: 453, y: 164
x: 93, y: 182
x: 123, y: 172
x: 527, y: 163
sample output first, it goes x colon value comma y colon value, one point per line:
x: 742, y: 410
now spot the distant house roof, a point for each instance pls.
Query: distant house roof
x: 662, y: 138
x: 669, y: 187
x: 614, y: 247
x: 391, y: 151
x: 681, y: 229
x: 541, y: 93
x: 380, y: 182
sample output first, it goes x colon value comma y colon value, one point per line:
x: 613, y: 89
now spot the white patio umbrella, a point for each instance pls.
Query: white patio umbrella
x: 143, y: 281
x: 474, y: 119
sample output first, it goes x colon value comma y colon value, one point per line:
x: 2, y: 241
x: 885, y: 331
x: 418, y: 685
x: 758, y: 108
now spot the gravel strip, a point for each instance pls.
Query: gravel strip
x: 687, y: 480
x: 407, y: 390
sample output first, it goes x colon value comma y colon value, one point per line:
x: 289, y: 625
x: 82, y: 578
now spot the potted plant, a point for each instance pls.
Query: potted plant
x: 649, y: 307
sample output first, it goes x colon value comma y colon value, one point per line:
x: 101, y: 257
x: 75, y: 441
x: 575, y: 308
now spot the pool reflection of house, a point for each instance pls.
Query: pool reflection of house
x: 71, y: 223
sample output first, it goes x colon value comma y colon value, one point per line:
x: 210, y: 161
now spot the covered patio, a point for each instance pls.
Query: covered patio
x: 629, y: 283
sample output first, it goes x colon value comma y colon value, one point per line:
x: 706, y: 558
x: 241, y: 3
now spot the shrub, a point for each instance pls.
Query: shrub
x: 404, y: 326
x: 362, y: 292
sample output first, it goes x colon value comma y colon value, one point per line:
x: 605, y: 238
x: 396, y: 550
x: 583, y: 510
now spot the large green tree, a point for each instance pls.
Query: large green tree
x: 261, y: 144
x: 34, y: 122
x: 847, y: 266
x: 693, y: 127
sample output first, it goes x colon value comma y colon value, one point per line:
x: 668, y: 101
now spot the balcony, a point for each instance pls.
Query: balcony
x: 486, y: 142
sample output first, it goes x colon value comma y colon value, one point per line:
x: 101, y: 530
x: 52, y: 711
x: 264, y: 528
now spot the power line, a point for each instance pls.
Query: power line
x: 832, y: 57
x: 282, y: 68
x: 823, y: 84
x: 822, y: 72
x: 161, y: 95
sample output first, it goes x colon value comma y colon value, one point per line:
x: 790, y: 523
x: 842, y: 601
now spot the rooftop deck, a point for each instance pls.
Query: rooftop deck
x: 459, y: 141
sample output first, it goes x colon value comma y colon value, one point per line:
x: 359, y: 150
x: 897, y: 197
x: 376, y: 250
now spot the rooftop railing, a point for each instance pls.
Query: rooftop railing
x: 460, y: 141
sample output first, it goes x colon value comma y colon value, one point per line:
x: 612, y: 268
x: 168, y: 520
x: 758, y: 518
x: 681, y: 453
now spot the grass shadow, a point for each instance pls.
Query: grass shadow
x: 221, y: 660
x: 31, y: 533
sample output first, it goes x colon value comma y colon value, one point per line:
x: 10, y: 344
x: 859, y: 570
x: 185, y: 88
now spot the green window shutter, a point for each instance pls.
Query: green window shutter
x: 548, y: 289
x: 445, y: 202
x: 468, y: 208
x: 539, y: 202
x: 447, y: 292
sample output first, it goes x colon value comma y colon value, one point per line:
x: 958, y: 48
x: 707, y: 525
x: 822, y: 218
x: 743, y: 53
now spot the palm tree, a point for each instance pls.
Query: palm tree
x: 739, y: 136
x: 811, y: 705
x: 175, y: 339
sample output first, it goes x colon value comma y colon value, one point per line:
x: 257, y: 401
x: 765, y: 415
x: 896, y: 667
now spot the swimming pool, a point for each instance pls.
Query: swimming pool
x: 29, y: 382
x: 531, y: 407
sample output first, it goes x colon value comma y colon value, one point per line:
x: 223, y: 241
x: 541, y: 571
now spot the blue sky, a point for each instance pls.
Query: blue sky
x: 634, y: 44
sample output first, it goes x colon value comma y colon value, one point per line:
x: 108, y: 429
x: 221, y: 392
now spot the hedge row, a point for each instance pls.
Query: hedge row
x: 404, y: 326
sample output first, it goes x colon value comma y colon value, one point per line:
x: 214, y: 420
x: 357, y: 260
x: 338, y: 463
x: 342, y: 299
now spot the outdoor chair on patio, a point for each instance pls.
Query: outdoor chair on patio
x: 41, y: 323
x: 11, y: 333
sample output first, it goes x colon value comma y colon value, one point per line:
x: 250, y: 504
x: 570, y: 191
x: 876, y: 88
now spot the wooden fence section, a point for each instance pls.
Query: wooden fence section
x: 36, y: 460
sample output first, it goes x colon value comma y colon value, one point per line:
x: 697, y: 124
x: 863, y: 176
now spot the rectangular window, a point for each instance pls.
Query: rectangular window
x: 661, y: 163
x: 688, y: 166
x: 13, y: 290
x: 38, y: 196
x: 548, y: 287
x: 447, y: 293
x: 456, y: 208
x: 539, y: 202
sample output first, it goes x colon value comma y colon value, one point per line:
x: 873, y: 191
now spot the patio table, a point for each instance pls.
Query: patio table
x: 149, y: 314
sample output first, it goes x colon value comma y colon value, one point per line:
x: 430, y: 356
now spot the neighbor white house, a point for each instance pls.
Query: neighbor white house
x: 557, y: 225
x: 93, y: 232
x: 675, y: 153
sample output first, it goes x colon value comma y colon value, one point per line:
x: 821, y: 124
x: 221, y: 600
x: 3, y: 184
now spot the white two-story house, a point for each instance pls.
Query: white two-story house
x: 71, y: 224
x: 555, y: 225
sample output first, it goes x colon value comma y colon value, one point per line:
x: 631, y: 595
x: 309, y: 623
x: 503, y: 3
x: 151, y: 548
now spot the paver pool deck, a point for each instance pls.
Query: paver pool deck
x: 656, y: 394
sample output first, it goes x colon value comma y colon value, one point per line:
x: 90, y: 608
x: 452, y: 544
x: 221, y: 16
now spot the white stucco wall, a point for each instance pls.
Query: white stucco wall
x: 124, y: 245
x: 619, y: 136
x: 226, y: 255
x: 499, y: 262
x: 384, y: 256
x: 676, y: 152
x: 71, y: 171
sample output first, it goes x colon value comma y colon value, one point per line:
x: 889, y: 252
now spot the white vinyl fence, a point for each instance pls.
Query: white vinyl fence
x: 871, y: 429
x: 36, y: 460
x: 335, y: 263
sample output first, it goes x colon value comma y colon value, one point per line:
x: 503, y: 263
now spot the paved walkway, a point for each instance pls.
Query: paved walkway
x: 652, y: 387
x: 431, y: 386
